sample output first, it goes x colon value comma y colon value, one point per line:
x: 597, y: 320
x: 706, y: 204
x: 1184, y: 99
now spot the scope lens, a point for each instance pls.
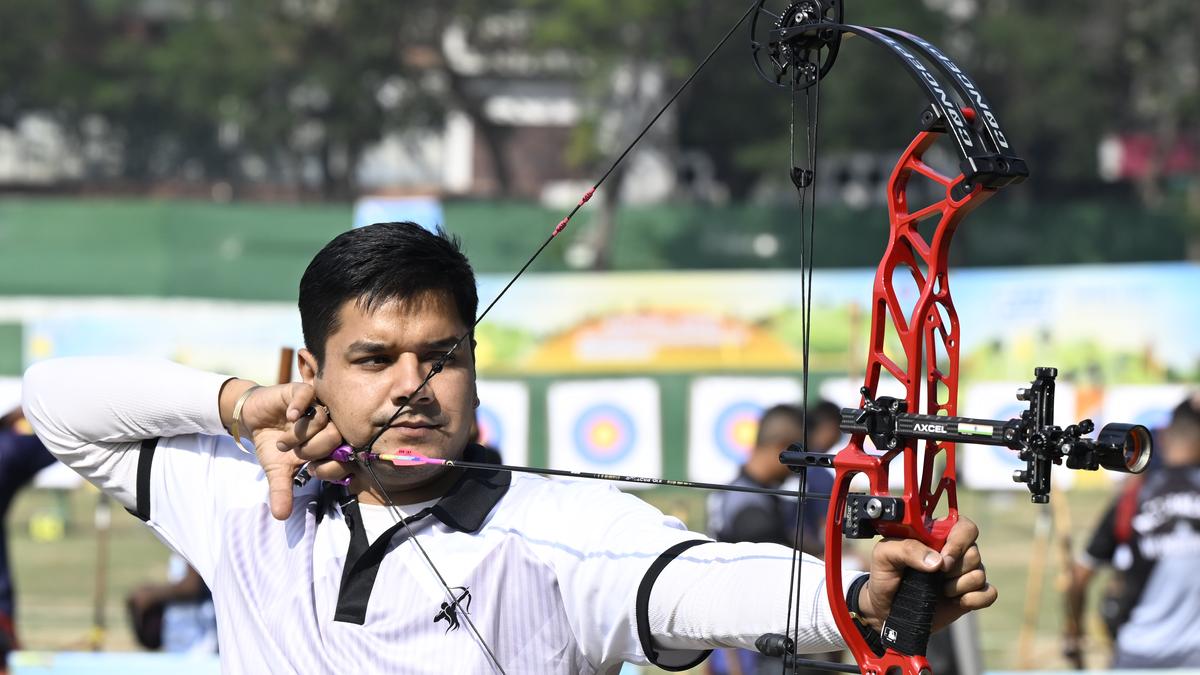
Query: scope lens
x: 1124, y: 447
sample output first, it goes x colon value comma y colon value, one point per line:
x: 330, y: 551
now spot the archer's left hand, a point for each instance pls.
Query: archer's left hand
x: 966, y: 587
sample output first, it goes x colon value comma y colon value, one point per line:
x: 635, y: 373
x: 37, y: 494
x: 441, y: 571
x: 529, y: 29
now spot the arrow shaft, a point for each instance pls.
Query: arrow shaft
x: 415, y: 459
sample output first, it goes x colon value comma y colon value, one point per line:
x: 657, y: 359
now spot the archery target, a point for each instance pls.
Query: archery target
x: 491, y: 429
x: 736, y: 429
x: 1147, y: 405
x: 605, y: 426
x: 604, y: 434
x: 503, y: 418
x: 988, y: 467
x: 723, y: 421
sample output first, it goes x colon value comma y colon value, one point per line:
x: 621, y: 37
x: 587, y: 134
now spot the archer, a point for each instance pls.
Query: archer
x: 565, y: 576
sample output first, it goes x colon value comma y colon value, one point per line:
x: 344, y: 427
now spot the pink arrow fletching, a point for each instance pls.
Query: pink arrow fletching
x: 404, y: 457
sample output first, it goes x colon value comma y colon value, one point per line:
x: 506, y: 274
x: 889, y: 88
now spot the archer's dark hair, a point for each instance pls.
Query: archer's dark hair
x: 377, y: 264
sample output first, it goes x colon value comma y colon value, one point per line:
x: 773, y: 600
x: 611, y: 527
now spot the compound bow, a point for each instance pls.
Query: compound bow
x: 796, y: 48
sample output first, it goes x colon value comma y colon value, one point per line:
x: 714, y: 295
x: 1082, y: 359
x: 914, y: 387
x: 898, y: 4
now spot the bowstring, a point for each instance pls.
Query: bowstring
x: 808, y: 215
x: 412, y: 536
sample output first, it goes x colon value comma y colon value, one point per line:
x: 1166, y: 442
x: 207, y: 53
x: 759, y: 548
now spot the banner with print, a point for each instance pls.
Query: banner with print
x: 606, y: 426
x: 502, y: 419
x: 988, y: 467
x: 723, y: 414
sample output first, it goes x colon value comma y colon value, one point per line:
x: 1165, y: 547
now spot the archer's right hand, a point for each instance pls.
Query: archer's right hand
x: 275, y: 419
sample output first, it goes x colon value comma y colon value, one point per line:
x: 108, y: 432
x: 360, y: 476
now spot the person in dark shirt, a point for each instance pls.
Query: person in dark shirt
x: 824, y: 422
x: 1150, y: 535
x: 739, y: 516
x: 21, y: 457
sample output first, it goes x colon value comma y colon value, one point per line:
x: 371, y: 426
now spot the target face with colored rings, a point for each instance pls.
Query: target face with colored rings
x: 604, y: 434
x: 736, y: 428
x: 491, y: 429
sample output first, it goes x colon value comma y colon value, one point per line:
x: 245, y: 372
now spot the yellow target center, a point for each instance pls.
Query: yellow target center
x: 604, y: 435
x: 744, y: 432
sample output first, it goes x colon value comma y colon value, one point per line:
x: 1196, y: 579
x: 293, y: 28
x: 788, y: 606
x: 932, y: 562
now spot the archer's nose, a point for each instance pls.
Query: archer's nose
x: 410, y: 381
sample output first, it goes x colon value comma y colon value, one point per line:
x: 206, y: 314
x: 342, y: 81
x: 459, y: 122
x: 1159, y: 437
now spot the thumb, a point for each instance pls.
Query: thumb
x: 896, y: 555
x: 279, y: 487
x: 889, y: 559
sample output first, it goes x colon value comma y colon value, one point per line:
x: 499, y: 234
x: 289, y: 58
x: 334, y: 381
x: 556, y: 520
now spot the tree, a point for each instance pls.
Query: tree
x: 27, y: 56
x: 299, y: 85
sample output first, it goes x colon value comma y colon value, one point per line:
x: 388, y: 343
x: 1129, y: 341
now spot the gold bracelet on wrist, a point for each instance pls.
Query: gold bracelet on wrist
x: 236, y: 423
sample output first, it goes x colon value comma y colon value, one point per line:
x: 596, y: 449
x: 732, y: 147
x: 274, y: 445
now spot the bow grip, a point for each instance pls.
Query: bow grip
x: 907, y: 628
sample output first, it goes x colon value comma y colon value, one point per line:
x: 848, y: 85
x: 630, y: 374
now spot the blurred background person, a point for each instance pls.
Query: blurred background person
x: 1150, y: 536
x: 177, y: 616
x: 742, y: 516
x: 22, y: 456
x: 824, y: 422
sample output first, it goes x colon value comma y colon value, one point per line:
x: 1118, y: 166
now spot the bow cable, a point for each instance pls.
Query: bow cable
x: 803, y: 178
x: 454, y: 600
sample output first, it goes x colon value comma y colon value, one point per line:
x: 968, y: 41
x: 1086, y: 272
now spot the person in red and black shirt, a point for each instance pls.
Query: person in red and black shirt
x: 1150, y: 535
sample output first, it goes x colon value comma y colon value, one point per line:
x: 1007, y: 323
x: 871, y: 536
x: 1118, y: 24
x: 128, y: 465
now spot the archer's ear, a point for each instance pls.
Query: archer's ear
x: 307, y: 364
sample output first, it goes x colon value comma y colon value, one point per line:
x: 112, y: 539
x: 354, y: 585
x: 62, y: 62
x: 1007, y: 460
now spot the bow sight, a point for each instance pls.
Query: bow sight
x: 1039, y: 443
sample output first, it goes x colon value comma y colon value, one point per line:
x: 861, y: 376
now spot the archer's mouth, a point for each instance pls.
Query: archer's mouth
x: 415, y: 430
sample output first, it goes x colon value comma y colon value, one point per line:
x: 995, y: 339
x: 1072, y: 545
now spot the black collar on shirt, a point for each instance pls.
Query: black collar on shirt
x: 463, y: 508
x: 469, y: 501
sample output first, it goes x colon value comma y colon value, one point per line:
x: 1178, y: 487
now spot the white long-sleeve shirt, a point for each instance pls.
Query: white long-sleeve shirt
x: 553, y: 567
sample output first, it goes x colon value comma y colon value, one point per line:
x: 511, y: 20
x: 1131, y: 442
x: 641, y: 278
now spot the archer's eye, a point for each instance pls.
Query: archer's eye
x: 374, y: 360
x: 440, y: 356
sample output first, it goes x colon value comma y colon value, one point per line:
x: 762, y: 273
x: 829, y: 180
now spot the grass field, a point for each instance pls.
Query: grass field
x: 56, y: 580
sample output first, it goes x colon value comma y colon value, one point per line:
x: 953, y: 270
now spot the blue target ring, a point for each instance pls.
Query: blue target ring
x: 604, y: 434
x: 735, y: 430
x: 491, y: 429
